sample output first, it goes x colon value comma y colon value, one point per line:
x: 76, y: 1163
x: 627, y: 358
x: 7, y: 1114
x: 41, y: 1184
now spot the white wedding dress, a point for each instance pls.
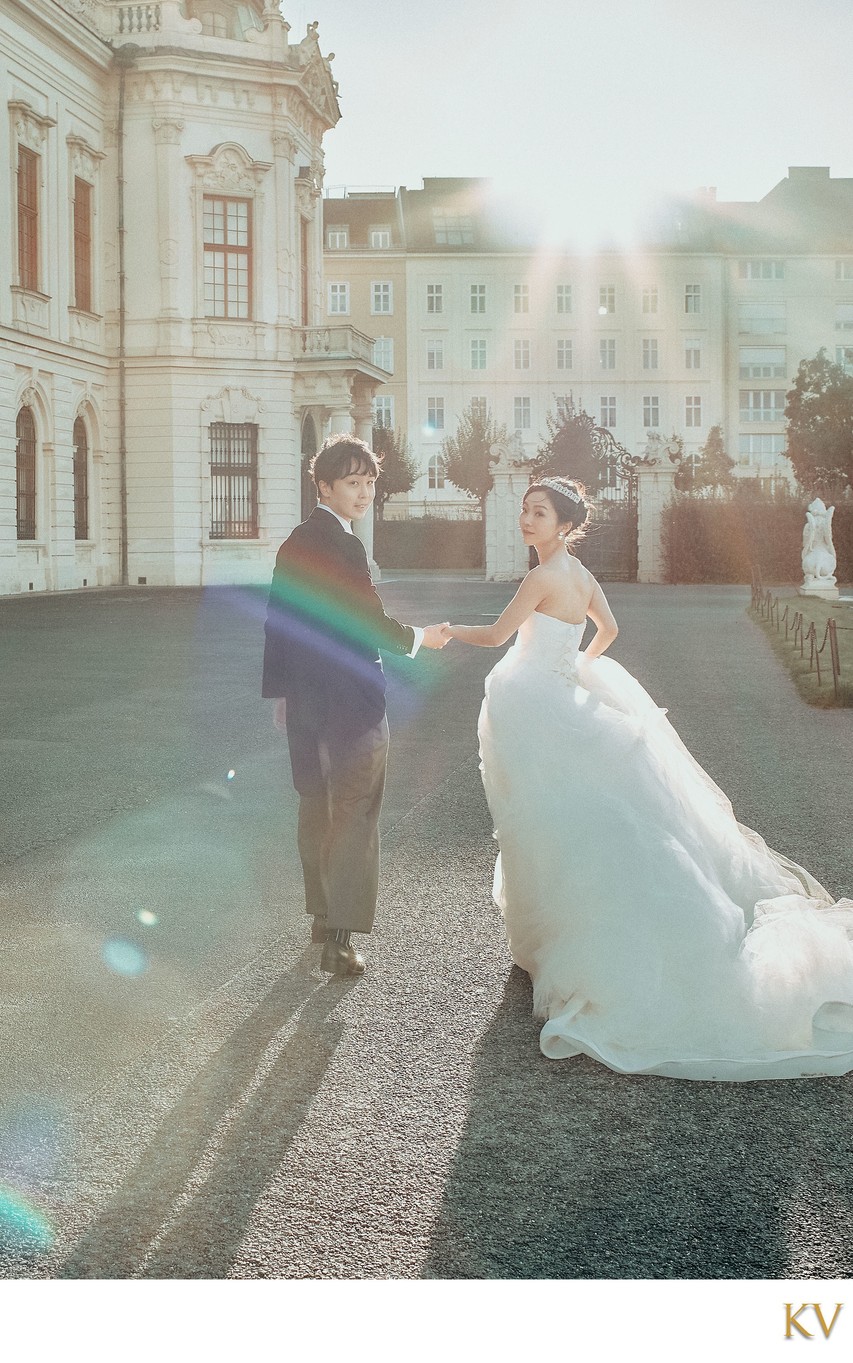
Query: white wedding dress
x: 661, y: 935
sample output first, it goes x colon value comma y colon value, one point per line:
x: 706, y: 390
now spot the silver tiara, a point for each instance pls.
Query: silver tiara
x: 563, y: 491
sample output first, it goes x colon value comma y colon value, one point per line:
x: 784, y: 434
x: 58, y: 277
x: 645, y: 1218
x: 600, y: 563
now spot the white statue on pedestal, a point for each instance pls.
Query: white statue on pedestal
x: 818, y: 552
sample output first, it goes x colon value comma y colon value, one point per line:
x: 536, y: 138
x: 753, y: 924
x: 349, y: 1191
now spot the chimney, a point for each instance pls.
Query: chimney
x: 809, y: 173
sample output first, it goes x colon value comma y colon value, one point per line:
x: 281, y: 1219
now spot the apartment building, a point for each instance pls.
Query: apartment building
x: 704, y: 324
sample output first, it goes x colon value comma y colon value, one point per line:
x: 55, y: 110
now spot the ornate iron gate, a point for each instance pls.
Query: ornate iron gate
x: 579, y: 448
x: 609, y: 548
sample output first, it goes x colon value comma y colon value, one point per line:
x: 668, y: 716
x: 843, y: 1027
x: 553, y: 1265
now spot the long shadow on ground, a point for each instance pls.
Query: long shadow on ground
x: 566, y: 1170
x: 184, y: 1208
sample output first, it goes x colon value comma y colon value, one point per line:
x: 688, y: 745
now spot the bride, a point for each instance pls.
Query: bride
x: 662, y: 936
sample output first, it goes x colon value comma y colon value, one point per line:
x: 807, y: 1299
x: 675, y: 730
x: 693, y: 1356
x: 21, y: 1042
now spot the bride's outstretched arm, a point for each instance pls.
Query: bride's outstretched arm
x: 531, y: 592
x: 606, y: 627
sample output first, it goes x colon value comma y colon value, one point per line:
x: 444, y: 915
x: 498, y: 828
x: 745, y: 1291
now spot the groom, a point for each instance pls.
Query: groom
x: 324, y: 630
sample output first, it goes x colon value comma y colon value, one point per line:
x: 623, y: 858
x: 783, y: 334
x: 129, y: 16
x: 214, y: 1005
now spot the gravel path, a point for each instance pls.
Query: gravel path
x: 206, y: 1105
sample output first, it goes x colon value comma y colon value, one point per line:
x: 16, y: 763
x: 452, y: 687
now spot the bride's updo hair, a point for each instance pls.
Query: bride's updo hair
x: 568, y: 498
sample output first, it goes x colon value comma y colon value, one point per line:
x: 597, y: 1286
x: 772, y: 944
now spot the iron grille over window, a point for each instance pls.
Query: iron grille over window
x: 28, y: 253
x: 233, y: 481
x: 81, y: 480
x: 82, y: 245
x: 25, y: 431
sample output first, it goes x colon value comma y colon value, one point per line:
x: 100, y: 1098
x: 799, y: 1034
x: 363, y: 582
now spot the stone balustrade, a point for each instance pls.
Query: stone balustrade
x: 139, y: 18
x: 334, y: 343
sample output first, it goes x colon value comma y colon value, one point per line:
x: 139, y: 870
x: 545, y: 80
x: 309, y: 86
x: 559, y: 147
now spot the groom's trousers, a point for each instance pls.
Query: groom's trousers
x: 338, y: 830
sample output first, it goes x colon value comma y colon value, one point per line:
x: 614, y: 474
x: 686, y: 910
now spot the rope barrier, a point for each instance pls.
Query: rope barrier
x: 796, y: 629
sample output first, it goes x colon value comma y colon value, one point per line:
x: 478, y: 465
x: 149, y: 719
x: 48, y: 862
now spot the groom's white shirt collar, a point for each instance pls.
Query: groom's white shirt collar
x: 346, y: 524
x: 416, y: 629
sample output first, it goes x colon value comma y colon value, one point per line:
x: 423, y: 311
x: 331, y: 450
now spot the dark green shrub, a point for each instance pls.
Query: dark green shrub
x: 428, y: 542
x: 721, y: 541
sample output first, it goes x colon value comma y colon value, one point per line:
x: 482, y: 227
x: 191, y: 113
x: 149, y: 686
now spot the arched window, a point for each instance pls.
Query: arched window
x: 435, y: 471
x: 80, y: 442
x: 25, y: 462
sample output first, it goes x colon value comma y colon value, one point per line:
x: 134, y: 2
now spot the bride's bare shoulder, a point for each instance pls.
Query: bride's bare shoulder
x: 580, y: 574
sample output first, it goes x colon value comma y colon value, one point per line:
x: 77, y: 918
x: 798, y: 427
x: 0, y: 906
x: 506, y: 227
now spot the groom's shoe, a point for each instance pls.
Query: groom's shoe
x: 341, y: 959
x: 319, y: 932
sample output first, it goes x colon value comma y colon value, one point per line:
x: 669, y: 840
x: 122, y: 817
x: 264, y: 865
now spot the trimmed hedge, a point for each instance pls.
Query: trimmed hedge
x: 428, y: 542
x: 720, y: 541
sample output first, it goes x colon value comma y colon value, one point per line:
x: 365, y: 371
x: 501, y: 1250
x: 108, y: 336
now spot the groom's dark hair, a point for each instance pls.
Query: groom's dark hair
x: 341, y: 455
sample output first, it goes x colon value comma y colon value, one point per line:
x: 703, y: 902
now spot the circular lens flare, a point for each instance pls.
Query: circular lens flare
x: 123, y: 957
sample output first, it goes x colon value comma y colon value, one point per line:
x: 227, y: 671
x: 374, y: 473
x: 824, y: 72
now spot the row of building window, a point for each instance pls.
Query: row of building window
x: 522, y: 353
x: 226, y: 230
x: 233, y: 478
x: 28, y: 217
x: 754, y: 318
x: 383, y: 411
x: 26, y: 478
x: 382, y: 298
x: 449, y: 229
x: 755, y: 362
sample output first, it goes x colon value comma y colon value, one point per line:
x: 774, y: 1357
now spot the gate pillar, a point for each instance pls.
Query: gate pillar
x: 507, y: 558
x: 655, y: 485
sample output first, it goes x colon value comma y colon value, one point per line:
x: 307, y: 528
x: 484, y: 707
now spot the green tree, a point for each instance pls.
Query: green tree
x: 819, y: 413
x: 575, y: 447
x: 465, y: 456
x: 712, y: 469
x: 399, y: 467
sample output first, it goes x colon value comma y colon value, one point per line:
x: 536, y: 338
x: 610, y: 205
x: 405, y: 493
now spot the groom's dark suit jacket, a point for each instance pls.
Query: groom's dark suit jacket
x: 325, y: 626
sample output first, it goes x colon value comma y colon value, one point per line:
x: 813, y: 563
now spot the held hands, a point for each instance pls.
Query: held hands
x: 436, y: 636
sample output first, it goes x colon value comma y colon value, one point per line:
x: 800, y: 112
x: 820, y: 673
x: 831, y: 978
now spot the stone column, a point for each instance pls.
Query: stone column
x: 284, y: 148
x: 506, y: 553
x: 363, y: 414
x: 655, y: 485
x: 167, y: 141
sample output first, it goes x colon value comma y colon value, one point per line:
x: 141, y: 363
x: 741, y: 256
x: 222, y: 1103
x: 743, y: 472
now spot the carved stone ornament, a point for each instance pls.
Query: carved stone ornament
x: 31, y: 128
x: 167, y: 129
x: 284, y: 144
x: 306, y: 197
x: 319, y: 89
x: 87, y: 11
x: 231, y: 337
x: 84, y: 159
x: 233, y: 405
x: 29, y: 397
x: 229, y: 168
x: 507, y: 454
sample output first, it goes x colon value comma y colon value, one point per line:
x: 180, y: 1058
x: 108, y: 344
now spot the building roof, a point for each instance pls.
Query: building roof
x: 807, y: 212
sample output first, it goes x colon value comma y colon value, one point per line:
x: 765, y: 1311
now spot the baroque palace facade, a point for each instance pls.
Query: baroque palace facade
x: 703, y: 325
x: 164, y: 367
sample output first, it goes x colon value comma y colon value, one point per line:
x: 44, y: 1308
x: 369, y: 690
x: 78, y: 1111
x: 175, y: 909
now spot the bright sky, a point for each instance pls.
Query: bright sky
x: 585, y: 110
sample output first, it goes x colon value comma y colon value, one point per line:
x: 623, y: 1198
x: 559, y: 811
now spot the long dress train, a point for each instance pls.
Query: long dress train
x: 661, y: 935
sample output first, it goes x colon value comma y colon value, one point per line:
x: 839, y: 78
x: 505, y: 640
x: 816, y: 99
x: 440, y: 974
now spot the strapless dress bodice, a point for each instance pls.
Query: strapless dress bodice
x: 549, y: 643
